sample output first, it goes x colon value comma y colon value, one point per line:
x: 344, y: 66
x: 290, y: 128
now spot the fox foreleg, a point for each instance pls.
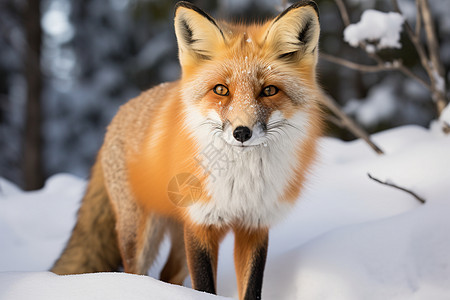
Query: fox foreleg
x: 250, y: 251
x: 202, y: 249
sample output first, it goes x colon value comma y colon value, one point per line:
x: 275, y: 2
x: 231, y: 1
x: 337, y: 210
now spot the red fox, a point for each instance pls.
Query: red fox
x: 247, y: 92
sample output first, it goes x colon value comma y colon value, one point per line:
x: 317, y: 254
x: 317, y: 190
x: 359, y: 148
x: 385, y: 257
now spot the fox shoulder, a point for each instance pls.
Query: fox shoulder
x: 134, y: 117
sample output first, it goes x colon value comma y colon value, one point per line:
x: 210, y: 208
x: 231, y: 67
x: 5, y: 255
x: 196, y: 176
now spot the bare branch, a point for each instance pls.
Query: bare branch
x: 343, y: 11
x: 433, y: 50
x: 437, y: 95
x: 353, y: 65
x: 397, y: 187
x: 410, y: 74
x: 348, y: 123
x: 433, y: 45
x: 381, y: 66
x: 335, y: 120
x: 418, y: 19
x: 415, y: 40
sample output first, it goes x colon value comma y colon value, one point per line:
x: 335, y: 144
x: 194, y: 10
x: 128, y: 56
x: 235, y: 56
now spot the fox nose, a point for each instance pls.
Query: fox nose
x: 242, y: 133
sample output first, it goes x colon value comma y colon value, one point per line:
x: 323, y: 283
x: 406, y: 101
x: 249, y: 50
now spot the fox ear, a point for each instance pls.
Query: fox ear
x: 295, y: 32
x: 198, y: 35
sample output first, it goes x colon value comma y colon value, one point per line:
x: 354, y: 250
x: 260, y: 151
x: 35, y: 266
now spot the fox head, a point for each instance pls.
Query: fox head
x: 253, y: 84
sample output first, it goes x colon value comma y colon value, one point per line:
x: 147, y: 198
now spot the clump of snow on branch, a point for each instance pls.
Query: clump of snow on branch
x: 439, y: 82
x: 381, y: 30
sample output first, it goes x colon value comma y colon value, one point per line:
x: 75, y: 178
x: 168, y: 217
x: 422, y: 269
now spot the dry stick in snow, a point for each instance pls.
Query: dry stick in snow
x: 397, y: 187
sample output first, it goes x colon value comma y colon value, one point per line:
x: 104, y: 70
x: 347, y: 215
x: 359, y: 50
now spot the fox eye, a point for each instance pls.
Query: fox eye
x: 269, y: 90
x: 221, y: 90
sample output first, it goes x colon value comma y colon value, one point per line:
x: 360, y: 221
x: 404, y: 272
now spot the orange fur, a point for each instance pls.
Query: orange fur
x: 167, y: 150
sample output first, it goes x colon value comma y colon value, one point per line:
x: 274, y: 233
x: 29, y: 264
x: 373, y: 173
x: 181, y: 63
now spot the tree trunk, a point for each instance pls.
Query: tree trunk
x: 32, y: 145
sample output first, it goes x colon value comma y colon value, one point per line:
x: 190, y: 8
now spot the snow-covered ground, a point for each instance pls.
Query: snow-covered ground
x: 348, y: 238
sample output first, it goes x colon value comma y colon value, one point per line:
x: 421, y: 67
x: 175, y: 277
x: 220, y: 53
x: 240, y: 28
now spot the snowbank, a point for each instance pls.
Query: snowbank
x: 348, y: 238
x: 109, y: 286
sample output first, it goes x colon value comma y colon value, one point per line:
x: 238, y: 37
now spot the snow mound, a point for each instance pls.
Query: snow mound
x: 382, y: 29
x: 8, y: 188
x: 109, y: 286
x: 35, y: 225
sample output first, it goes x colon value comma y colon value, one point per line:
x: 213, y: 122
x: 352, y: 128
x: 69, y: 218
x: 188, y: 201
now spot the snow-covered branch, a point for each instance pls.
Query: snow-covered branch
x: 377, y: 30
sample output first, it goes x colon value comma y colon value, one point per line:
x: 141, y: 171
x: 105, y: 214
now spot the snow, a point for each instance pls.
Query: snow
x: 445, y: 116
x: 348, y: 238
x: 109, y: 286
x: 377, y: 27
x: 55, y: 22
x: 439, y: 82
x: 380, y: 105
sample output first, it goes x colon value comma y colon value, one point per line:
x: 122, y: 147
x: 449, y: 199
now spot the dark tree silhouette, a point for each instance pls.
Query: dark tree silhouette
x: 32, y: 145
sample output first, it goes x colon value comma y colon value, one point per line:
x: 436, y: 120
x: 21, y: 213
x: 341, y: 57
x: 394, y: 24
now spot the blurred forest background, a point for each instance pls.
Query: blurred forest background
x: 67, y: 65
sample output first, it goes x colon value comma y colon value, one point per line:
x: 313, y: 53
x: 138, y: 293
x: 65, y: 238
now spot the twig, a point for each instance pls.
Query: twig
x: 428, y: 64
x: 381, y: 66
x: 433, y: 50
x: 353, y: 65
x: 418, y: 19
x: 397, y: 187
x: 409, y: 73
x: 348, y: 123
x: 433, y: 45
x: 343, y: 11
x: 335, y: 120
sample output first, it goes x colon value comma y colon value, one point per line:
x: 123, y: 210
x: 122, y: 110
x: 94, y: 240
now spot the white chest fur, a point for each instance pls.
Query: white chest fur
x: 246, y: 188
